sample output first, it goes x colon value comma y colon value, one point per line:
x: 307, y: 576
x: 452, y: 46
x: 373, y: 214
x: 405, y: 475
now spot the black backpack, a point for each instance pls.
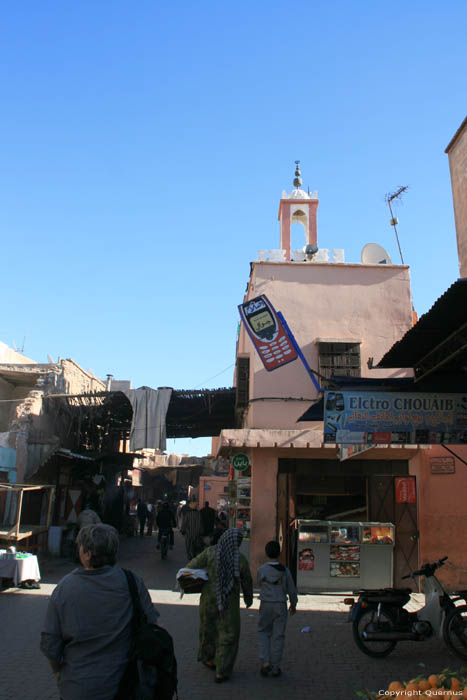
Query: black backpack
x: 151, y: 673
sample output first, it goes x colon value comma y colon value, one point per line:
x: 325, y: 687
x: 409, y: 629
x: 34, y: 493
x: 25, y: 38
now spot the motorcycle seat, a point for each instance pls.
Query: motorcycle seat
x: 392, y: 596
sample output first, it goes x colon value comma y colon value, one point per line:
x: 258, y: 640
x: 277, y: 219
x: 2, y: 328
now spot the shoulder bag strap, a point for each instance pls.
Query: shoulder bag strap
x: 139, y: 616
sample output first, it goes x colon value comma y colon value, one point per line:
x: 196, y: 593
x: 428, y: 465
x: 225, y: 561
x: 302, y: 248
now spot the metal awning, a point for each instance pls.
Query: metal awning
x: 438, y: 341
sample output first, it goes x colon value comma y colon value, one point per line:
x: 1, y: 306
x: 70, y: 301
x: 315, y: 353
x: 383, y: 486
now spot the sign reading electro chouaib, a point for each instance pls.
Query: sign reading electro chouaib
x: 267, y: 332
x: 390, y: 418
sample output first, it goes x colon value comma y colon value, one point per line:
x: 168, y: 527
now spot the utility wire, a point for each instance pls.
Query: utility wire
x: 216, y: 375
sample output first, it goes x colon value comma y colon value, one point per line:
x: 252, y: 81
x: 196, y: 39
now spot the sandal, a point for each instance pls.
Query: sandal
x: 221, y: 679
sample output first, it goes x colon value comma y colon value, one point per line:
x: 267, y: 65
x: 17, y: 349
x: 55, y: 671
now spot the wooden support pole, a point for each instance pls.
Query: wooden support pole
x: 18, y: 515
x: 49, y: 509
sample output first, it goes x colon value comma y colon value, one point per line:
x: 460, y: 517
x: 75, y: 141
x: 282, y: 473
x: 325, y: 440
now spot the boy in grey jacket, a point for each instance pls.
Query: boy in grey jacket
x: 275, y: 583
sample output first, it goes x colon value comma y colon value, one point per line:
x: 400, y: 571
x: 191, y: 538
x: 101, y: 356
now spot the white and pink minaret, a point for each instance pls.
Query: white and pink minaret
x: 298, y: 207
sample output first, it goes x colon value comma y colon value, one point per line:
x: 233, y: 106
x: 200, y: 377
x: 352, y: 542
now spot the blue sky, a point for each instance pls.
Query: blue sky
x: 145, y: 147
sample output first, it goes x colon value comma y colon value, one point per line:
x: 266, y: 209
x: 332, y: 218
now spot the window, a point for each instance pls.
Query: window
x: 243, y: 382
x: 339, y: 359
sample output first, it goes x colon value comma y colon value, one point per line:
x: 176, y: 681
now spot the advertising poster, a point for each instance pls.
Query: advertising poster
x: 364, y: 418
x: 405, y: 489
x: 340, y: 568
x: 306, y: 560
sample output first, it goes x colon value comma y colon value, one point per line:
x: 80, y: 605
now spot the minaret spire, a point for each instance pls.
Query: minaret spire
x: 297, y: 183
x: 301, y: 208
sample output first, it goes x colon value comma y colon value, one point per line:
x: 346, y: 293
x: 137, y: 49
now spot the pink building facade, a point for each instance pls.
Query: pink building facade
x: 342, y: 315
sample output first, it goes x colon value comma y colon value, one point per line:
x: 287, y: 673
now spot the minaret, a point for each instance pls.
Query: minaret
x: 298, y: 207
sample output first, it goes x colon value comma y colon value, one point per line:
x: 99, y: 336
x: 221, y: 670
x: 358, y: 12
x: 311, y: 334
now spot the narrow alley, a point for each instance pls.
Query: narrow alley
x: 322, y: 663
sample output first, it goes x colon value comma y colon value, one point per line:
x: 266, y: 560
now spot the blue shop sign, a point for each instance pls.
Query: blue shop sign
x: 394, y: 418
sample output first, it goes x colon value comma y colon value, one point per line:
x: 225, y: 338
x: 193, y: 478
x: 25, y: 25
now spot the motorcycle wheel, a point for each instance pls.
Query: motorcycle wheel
x: 376, y: 649
x: 455, y: 631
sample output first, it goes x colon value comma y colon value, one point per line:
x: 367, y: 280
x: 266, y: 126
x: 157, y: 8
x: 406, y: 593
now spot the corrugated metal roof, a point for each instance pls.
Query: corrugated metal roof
x: 445, y: 318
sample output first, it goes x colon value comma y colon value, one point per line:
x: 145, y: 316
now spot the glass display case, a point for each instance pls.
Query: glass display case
x: 335, y: 555
x: 242, y: 506
x: 313, y: 533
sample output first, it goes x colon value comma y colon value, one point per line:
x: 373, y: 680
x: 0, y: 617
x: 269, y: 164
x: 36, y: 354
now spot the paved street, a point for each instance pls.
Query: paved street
x: 324, y: 663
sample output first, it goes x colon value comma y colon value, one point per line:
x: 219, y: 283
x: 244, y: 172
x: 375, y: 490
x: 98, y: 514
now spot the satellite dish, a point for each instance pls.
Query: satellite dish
x: 374, y: 254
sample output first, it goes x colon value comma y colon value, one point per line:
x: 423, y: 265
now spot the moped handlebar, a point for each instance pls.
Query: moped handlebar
x: 427, y: 569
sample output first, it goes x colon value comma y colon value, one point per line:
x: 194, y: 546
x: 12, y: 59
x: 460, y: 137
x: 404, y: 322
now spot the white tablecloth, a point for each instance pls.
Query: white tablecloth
x: 20, y: 569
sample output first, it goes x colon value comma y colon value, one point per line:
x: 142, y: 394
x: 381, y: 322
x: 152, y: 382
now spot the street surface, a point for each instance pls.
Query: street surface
x: 323, y: 663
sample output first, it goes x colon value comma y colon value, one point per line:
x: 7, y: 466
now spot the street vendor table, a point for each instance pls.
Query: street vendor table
x: 19, y: 570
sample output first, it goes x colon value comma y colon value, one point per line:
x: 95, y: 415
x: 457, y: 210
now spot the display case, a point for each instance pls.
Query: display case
x: 242, y: 506
x: 343, y: 555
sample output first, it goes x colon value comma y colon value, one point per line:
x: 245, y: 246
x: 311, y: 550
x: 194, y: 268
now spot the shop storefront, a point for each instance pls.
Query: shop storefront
x: 343, y: 556
x: 349, y: 524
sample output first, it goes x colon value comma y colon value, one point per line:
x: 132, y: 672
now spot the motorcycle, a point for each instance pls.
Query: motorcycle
x: 380, y: 620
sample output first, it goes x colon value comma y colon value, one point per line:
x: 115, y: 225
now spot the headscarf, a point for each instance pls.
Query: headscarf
x: 227, y: 566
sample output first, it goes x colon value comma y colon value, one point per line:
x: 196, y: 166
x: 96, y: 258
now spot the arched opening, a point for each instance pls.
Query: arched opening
x: 297, y: 235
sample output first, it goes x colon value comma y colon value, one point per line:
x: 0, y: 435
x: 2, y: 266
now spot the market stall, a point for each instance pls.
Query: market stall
x: 343, y: 556
x: 21, y: 568
x: 13, y: 525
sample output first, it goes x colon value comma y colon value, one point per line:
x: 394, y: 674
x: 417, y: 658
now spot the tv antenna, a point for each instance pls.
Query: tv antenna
x: 394, y: 220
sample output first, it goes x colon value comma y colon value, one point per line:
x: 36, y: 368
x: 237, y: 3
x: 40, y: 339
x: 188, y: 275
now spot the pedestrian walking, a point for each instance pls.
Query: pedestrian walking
x: 180, y: 512
x: 276, y: 584
x: 150, y: 517
x: 87, y: 631
x: 191, y: 529
x: 142, y: 514
x: 219, y: 607
x: 165, y: 522
x: 208, y: 520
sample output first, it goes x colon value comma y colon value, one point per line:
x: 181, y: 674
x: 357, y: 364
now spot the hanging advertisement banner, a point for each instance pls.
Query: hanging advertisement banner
x: 267, y: 332
x: 347, y: 451
x: 364, y: 418
x: 405, y: 489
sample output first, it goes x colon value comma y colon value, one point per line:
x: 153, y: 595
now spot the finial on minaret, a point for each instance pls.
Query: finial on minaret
x: 297, y: 179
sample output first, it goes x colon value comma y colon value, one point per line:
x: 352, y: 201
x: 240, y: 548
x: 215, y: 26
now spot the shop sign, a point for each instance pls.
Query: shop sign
x: 267, y: 332
x: 442, y: 465
x: 240, y: 462
x: 405, y: 489
x: 371, y: 418
x: 347, y: 451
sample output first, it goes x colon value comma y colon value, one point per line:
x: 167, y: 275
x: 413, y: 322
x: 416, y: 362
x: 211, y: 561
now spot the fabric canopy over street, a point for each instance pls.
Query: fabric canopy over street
x: 438, y: 341
x: 202, y: 413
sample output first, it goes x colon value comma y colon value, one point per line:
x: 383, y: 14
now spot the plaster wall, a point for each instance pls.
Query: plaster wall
x: 263, y: 504
x: 10, y: 356
x: 457, y: 154
x: 442, y: 516
x: 32, y: 431
x: 369, y: 304
x: 217, y: 485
